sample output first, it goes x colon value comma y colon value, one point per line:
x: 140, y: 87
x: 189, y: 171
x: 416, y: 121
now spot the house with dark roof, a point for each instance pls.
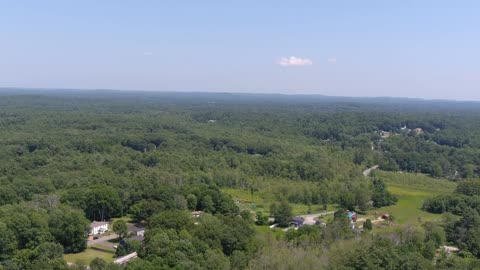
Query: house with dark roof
x: 135, y: 230
x: 297, y: 222
x: 138, y: 238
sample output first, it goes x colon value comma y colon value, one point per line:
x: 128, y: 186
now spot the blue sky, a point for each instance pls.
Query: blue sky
x: 427, y: 49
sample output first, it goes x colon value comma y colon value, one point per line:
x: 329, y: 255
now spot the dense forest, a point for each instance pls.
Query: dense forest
x: 70, y: 157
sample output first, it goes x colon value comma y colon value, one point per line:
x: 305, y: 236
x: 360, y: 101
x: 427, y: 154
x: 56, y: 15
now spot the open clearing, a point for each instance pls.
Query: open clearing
x: 261, y: 201
x: 412, y: 190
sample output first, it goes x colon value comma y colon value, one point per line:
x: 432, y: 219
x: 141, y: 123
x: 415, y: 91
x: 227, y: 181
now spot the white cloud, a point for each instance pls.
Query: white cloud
x: 332, y: 60
x: 294, y: 61
x: 147, y: 53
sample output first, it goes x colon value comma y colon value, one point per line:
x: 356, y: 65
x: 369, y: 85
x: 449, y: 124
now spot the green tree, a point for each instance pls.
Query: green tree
x: 247, y: 216
x: 282, y: 213
x: 98, y: 264
x: 207, y: 204
x: 469, y: 188
x: 192, y: 202
x: 177, y: 220
x: 120, y: 227
x: 146, y: 208
x: 367, y: 225
x: 103, y: 202
x: 69, y: 227
x: 8, y: 243
x: 262, y: 219
x: 381, y: 196
x: 434, y: 233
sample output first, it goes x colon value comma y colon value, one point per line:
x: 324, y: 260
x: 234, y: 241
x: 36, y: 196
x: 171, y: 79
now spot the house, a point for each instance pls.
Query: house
x: 137, y: 231
x: 418, y: 130
x: 297, y: 222
x: 98, y: 227
x: 197, y: 214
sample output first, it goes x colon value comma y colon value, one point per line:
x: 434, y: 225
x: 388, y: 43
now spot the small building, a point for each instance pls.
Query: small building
x: 98, y: 227
x: 135, y: 233
x: 197, y: 214
x: 135, y: 230
x: 297, y: 222
x: 418, y: 130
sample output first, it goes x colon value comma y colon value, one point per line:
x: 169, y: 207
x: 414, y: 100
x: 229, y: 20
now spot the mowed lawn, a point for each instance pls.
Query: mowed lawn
x: 411, y: 191
x: 92, y: 252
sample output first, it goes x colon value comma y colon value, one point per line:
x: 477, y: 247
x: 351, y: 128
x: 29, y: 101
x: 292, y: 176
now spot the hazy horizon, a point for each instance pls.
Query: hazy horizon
x: 140, y: 91
x: 413, y: 49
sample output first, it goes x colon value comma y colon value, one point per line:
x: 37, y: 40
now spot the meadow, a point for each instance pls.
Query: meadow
x: 261, y: 201
x: 411, y: 191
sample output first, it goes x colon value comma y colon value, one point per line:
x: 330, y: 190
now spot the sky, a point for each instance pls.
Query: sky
x: 419, y: 49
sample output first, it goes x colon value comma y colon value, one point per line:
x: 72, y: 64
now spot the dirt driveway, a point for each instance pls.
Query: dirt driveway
x: 310, y: 219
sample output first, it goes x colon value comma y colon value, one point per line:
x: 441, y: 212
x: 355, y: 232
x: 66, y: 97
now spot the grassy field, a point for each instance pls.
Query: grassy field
x: 411, y: 191
x: 260, y: 201
x: 92, y: 252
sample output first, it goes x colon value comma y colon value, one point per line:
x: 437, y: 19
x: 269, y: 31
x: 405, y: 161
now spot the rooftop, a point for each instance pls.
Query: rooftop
x: 97, y: 223
x: 137, y: 238
x: 135, y: 229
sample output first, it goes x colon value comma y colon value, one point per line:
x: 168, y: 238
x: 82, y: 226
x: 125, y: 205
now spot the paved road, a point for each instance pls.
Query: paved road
x: 103, y: 241
x: 369, y: 170
x: 310, y: 219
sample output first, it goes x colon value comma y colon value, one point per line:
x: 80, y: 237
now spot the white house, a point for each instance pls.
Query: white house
x: 98, y: 227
